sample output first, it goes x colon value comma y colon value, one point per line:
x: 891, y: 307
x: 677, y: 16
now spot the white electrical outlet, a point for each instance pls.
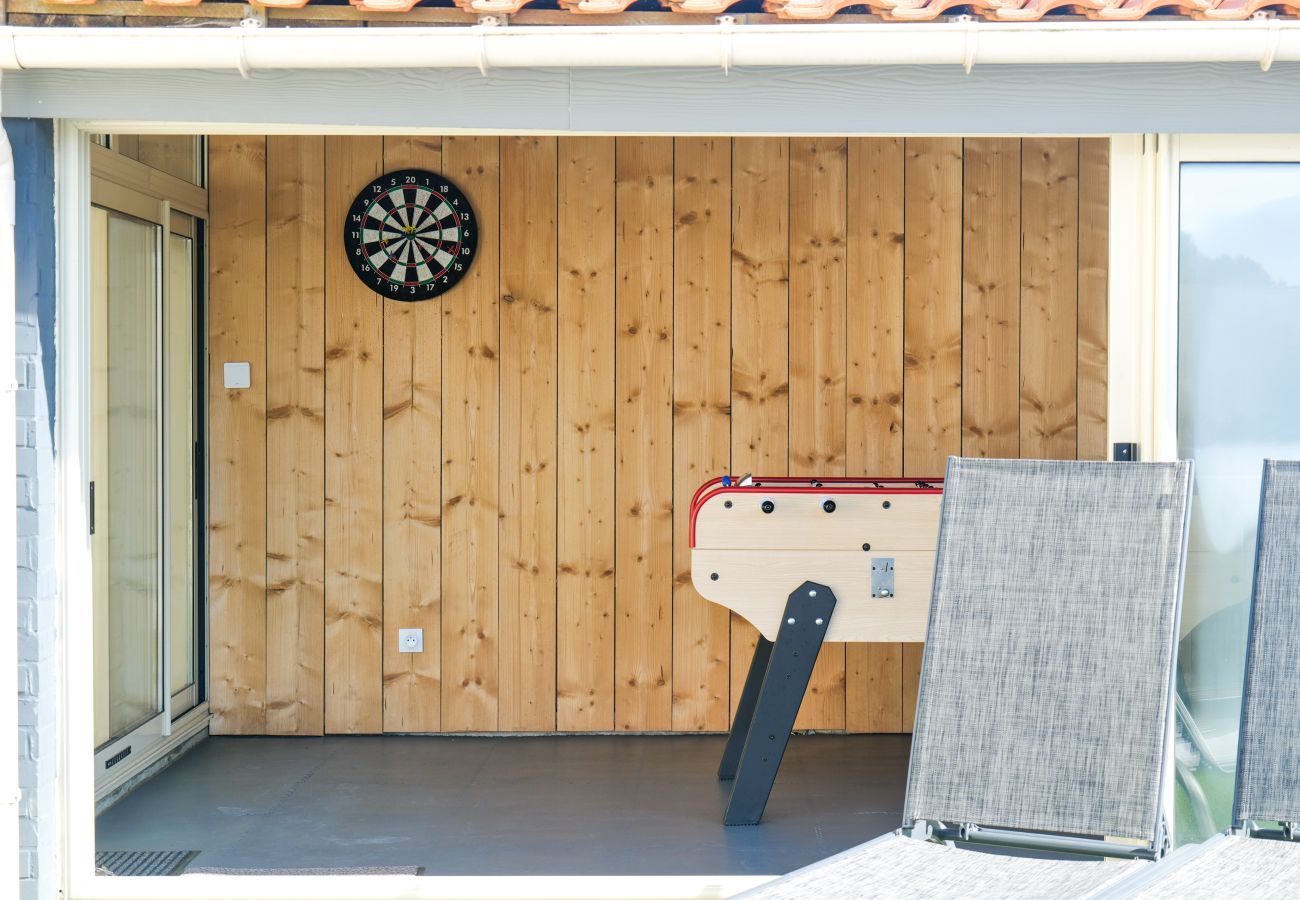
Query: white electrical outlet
x: 238, y: 375
x: 410, y: 640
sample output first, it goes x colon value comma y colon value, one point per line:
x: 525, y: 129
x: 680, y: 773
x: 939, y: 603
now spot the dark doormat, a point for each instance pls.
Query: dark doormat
x: 142, y: 862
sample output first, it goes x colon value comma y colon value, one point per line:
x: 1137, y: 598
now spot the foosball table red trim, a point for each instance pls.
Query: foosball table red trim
x: 788, y: 484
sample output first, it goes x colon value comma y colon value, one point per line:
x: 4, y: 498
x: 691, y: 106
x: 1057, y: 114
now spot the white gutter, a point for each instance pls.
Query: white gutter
x: 247, y: 48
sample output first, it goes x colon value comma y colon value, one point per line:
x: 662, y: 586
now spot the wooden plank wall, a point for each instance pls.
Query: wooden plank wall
x: 509, y: 467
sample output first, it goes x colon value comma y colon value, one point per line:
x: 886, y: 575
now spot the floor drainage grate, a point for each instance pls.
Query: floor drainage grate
x: 142, y: 862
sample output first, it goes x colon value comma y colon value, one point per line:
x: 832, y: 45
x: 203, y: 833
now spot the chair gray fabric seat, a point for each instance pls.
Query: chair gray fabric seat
x: 902, y: 868
x: 1268, y: 762
x: 1046, y: 689
x: 1222, y: 868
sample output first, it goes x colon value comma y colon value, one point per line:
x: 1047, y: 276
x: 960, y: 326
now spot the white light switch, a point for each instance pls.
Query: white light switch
x: 410, y: 640
x: 239, y: 375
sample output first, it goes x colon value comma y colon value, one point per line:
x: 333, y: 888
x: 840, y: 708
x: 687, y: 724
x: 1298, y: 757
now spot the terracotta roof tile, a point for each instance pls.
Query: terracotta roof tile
x: 596, y: 7
x: 1033, y: 10
x: 492, y: 7
x: 383, y: 6
x: 1132, y: 10
x: 813, y: 10
x: 1244, y: 9
x: 926, y: 12
x: 702, y: 7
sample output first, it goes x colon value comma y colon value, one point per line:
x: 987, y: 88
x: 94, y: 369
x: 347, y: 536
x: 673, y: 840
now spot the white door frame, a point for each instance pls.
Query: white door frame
x: 1145, y: 172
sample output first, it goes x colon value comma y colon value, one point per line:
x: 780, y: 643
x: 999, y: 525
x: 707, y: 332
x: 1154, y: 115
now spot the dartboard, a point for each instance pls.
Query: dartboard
x: 410, y: 235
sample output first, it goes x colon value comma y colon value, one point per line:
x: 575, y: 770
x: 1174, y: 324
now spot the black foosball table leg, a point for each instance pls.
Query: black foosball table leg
x: 745, y: 709
x: 789, y: 667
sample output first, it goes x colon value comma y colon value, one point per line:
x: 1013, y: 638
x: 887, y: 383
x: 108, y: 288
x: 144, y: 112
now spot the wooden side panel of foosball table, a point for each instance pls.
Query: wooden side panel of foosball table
x: 756, y: 584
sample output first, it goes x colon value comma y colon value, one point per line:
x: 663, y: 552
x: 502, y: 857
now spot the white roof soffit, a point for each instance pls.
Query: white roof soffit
x: 247, y: 48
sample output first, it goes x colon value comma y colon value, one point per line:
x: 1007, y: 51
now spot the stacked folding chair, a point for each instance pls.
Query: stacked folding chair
x: 1260, y: 856
x: 1045, y: 711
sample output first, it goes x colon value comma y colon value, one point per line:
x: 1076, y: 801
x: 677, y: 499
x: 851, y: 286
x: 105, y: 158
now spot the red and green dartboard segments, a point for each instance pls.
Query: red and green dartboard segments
x: 410, y: 235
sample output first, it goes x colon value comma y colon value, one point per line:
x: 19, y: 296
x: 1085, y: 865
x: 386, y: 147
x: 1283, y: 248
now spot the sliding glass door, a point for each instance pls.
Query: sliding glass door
x: 179, y: 369
x: 144, y: 489
x: 127, y: 286
x: 1238, y: 378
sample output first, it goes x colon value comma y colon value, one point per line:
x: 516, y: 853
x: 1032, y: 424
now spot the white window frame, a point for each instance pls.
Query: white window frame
x: 1145, y: 172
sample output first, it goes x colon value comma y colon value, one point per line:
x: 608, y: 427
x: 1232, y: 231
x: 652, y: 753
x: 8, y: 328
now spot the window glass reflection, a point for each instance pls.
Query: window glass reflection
x: 1238, y: 383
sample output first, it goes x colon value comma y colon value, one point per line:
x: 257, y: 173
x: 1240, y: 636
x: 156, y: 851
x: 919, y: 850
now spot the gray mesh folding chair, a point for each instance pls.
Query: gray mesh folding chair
x: 1045, y: 707
x: 1260, y: 856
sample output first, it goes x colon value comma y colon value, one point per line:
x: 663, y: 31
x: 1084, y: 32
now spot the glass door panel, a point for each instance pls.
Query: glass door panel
x: 1238, y: 341
x: 178, y: 369
x: 125, y: 420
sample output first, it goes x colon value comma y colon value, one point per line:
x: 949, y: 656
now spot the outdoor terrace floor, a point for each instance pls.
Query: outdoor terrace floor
x: 593, y: 805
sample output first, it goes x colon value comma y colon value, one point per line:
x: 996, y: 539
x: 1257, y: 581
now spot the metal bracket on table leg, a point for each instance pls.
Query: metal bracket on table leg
x: 803, y: 629
x: 745, y: 709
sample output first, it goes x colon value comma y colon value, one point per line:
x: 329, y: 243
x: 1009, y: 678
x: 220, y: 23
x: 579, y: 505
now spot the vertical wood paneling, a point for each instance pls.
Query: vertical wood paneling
x: 874, y: 672
x: 932, y: 343
x: 1094, y: 267
x: 412, y: 486
x: 237, y: 437
x: 932, y: 340
x: 295, y: 436
x: 509, y: 467
x: 470, y: 445
x: 354, y: 403
x: 585, y: 526
x: 991, y: 299
x: 643, y: 641
x: 1049, y: 299
x: 912, y: 656
x: 818, y: 361
x: 873, y: 675
x: 528, y: 423
x: 701, y: 416
x: 760, y: 297
x: 875, y: 306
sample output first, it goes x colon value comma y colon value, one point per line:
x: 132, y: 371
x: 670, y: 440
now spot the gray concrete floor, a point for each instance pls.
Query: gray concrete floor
x: 597, y: 805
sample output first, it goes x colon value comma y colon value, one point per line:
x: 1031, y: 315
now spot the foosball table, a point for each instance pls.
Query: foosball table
x: 806, y: 561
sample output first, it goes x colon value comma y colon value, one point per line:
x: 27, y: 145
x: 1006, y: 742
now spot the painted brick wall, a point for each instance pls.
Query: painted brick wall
x: 33, y: 149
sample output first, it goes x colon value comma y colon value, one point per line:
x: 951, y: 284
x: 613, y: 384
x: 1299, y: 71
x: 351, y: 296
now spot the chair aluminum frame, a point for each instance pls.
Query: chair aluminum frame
x: 1087, y: 845
x: 1053, y: 843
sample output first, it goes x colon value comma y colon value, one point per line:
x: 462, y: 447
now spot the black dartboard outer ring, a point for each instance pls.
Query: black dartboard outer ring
x: 411, y: 235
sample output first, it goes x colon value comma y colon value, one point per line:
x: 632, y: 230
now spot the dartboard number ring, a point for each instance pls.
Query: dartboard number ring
x: 411, y: 235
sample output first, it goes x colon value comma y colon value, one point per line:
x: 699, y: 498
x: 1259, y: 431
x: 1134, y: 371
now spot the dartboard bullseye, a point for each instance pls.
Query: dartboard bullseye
x: 410, y: 235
